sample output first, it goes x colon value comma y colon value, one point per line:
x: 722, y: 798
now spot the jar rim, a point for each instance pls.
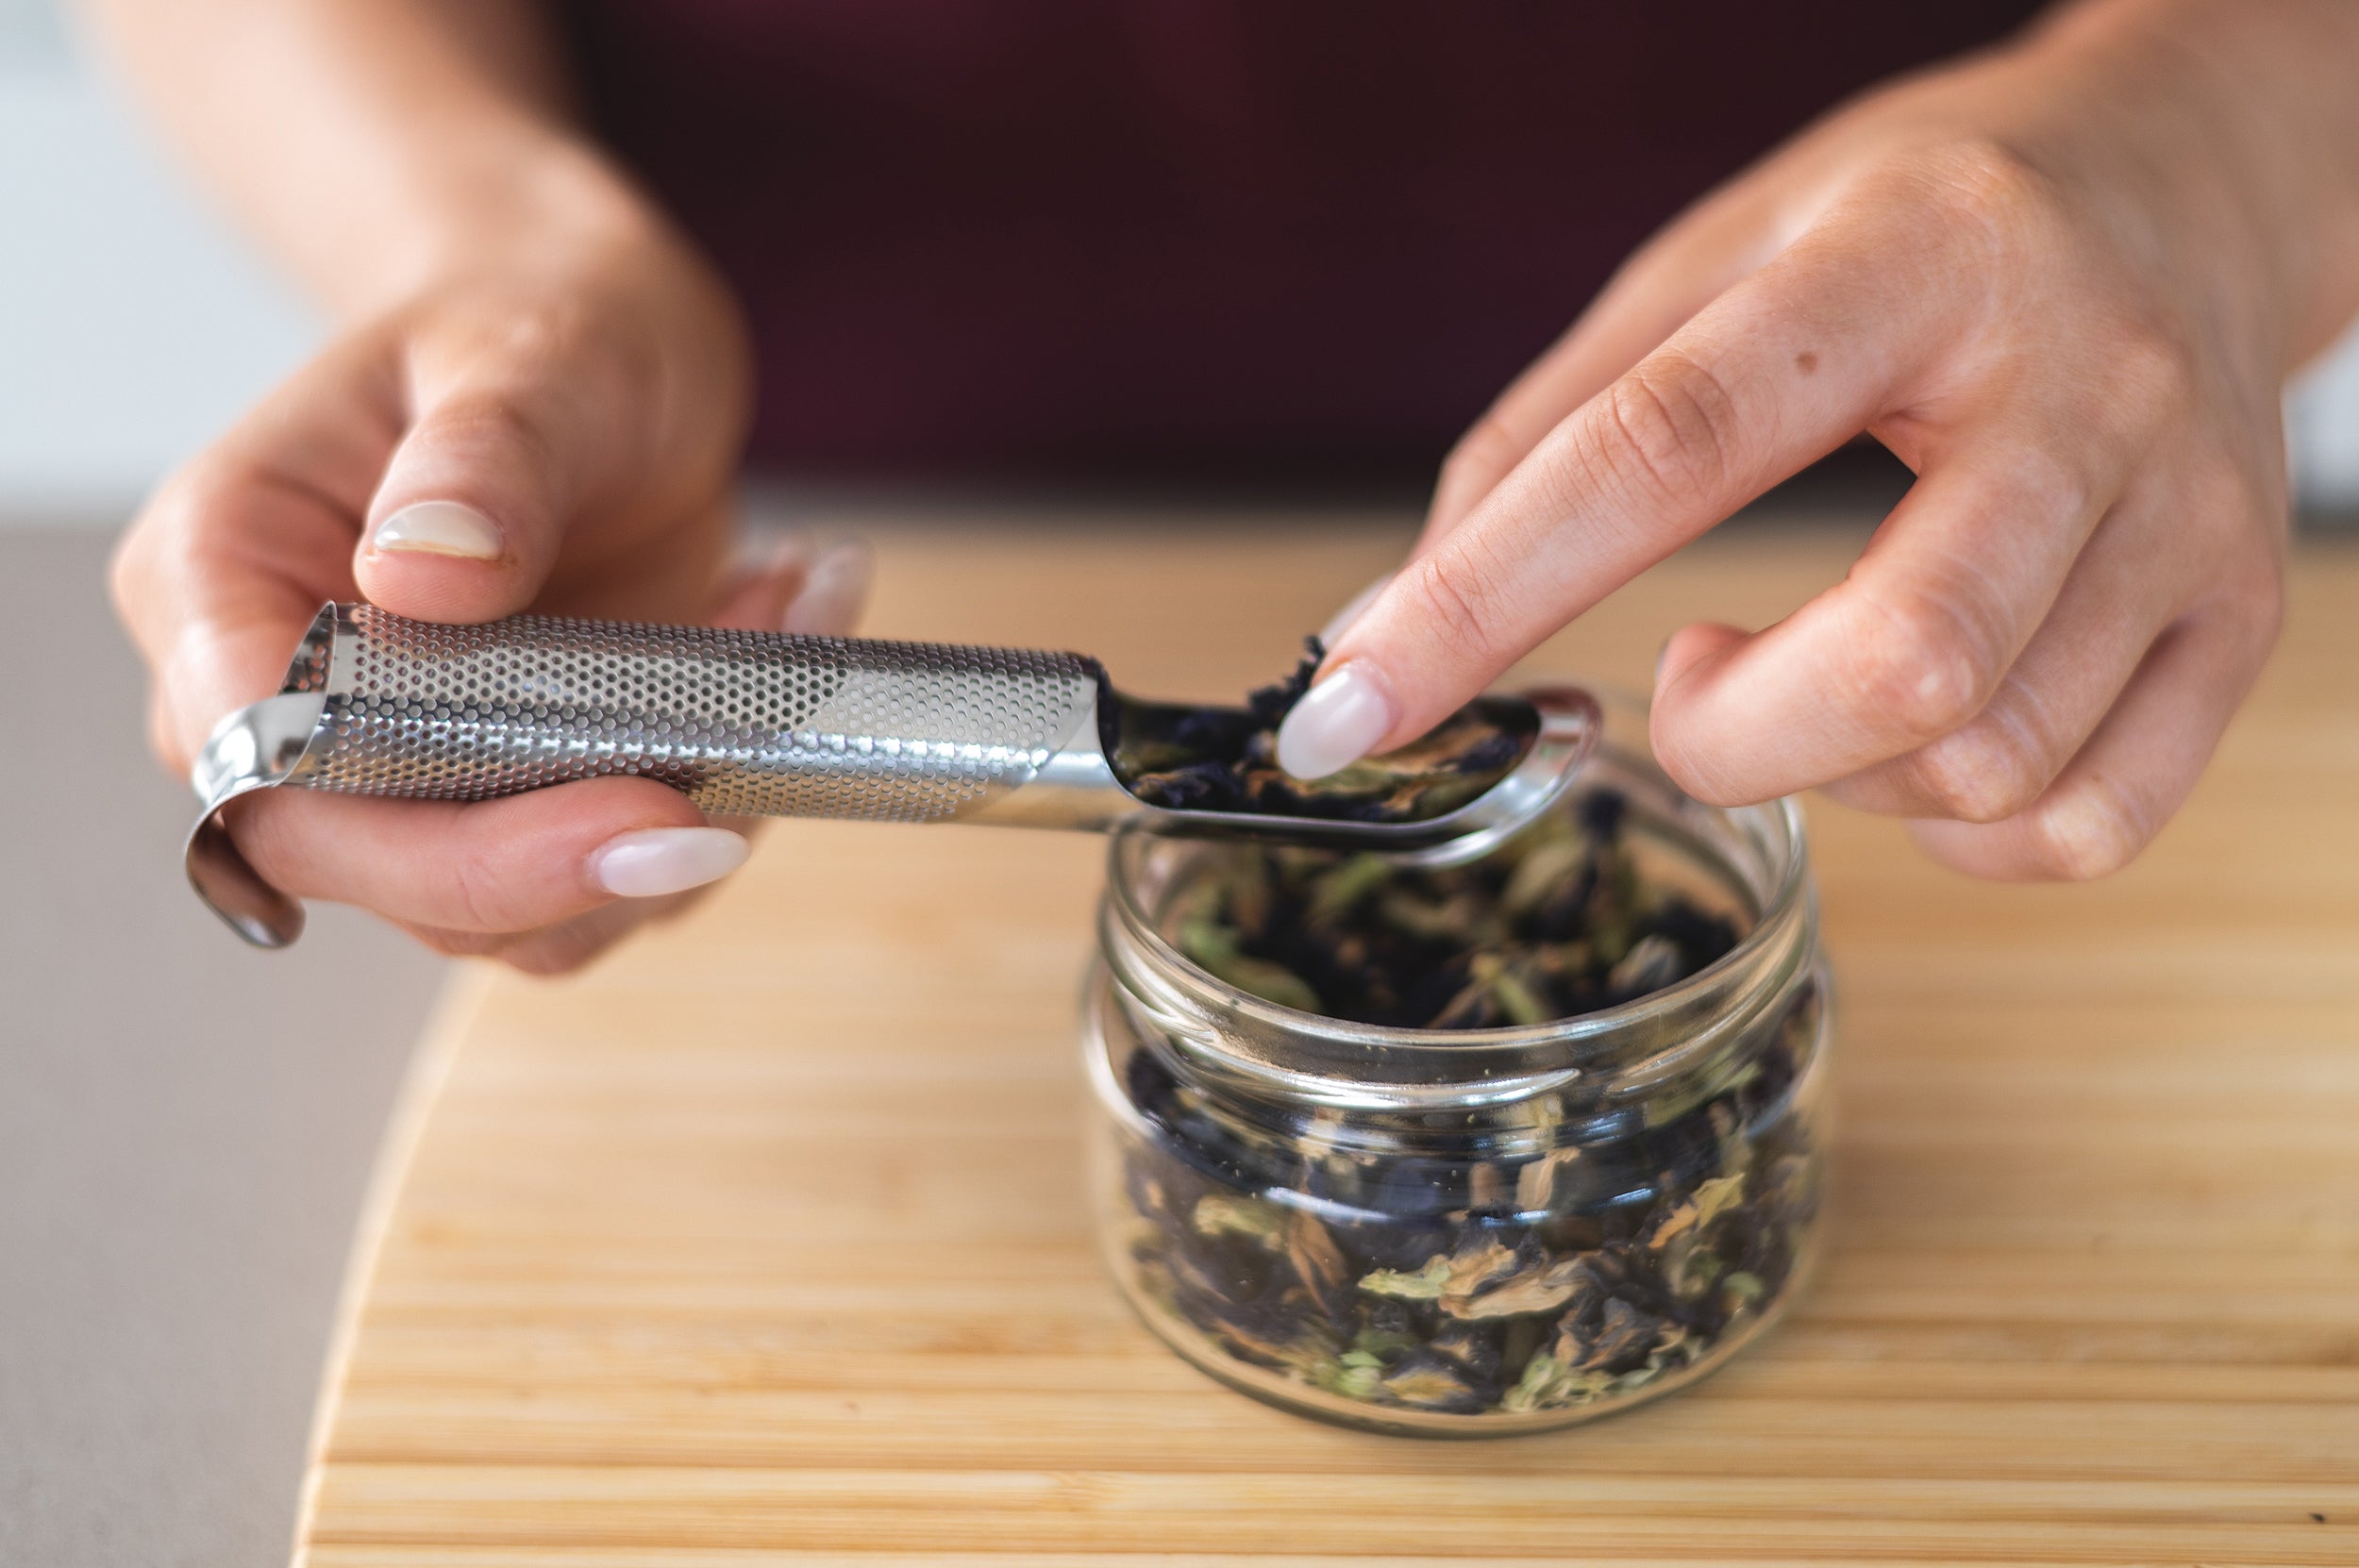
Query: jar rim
x: 1585, y: 1036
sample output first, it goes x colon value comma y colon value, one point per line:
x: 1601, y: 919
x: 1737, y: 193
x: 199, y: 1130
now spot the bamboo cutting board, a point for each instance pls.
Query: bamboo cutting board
x: 764, y: 1243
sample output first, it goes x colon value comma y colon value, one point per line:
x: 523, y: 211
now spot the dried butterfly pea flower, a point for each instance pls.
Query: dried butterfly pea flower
x: 1470, y: 1284
x: 1554, y: 926
x: 1226, y: 759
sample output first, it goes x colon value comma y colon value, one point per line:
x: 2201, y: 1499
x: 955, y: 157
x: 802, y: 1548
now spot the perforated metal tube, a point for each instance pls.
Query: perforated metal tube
x: 744, y: 723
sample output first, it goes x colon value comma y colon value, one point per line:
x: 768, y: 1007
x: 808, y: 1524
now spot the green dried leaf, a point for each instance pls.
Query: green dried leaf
x: 1541, y: 1288
x: 1544, y: 868
x: 1351, y: 1380
x: 1384, y: 1343
x: 1426, y: 1388
x: 1340, y: 891
x: 1710, y: 1200
x: 1716, y: 1197
x: 1445, y: 1277
x: 1651, y: 964
x: 1218, y: 1215
x: 1548, y: 1384
x: 1427, y: 1284
x: 1214, y: 948
x: 1517, y: 1000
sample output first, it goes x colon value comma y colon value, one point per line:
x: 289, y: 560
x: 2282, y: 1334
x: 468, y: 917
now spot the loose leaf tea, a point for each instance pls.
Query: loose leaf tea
x: 1562, y: 1250
x: 1555, y: 925
x: 1226, y: 759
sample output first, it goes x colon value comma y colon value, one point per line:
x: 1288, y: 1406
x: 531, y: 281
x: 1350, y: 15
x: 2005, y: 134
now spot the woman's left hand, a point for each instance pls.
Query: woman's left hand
x: 2064, y: 283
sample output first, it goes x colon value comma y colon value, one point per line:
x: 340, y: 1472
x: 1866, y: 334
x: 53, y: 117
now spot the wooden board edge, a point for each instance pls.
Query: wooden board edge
x: 429, y: 1070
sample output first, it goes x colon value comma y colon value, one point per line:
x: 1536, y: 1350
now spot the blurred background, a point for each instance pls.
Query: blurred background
x: 184, y: 1136
x: 133, y: 325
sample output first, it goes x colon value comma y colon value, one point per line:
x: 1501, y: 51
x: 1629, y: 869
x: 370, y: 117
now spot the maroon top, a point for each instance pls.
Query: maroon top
x: 1037, y: 236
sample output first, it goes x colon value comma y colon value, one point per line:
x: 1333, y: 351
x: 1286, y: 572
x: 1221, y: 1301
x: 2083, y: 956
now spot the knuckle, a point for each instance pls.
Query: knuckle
x: 511, y: 426
x: 1923, y: 664
x: 2049, y: 488
x: 1459, y: 591
x: 206, y: 486
x: 1988, y: 771
x: 1671, y: 429
x: 2251, y: 597
x: 482, y: 894
x: 1990, y: 192
x: 2088, y: 831
x: 2151, y: 379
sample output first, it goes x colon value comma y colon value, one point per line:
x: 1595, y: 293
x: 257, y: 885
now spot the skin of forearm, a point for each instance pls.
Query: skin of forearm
x: 2239, y: 127
x: 375, y: 146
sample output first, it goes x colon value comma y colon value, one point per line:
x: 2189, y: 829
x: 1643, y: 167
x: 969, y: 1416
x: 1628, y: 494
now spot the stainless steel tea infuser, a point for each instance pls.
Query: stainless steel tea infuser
x: 748, y: 724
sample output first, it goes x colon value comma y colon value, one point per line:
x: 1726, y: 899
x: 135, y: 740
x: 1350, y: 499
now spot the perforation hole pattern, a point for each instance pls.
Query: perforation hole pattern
x: 744, y: 723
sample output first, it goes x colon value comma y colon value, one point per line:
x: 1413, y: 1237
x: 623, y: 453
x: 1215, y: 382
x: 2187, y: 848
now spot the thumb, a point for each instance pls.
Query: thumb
x: 467, y: 520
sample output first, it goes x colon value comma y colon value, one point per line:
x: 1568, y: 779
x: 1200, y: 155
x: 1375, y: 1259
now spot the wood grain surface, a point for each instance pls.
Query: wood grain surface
x: 764, y: 1243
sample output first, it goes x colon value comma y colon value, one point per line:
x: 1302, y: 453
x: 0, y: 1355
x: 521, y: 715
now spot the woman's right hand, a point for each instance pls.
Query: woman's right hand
x: 556, y: 433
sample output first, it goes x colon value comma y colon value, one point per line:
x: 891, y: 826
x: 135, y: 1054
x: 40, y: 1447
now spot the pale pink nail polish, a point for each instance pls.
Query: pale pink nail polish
x: 658, y: 860
x: 834, y: 590
x: 438, y: 528
x: 1338, y: 723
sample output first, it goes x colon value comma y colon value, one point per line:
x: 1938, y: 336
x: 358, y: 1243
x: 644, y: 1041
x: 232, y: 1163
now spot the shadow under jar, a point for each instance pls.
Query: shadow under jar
x: 1480, y: 1231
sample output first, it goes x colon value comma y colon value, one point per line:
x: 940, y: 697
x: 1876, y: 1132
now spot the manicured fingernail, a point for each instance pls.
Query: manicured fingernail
x: 834, y: 590
x: 439, y: 528
x: 1335, y: 724
x: 656, y: 860
x: 1353, y: 609
x: 794, y: 546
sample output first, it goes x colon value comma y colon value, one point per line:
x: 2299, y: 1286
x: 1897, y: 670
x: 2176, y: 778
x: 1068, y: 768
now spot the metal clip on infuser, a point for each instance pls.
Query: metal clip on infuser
x: 755, y: 724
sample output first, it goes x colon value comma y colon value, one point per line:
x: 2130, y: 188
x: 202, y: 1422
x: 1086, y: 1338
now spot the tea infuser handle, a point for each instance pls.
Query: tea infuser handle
x: 745, y: 723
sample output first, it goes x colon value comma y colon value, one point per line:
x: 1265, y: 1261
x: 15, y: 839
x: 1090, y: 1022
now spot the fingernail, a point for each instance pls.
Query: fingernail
x: 834, y: 590
x: 656, y: 860
x: 1660, y: 654
x: 439, y: 528
x: 1336, y: 723
x: 793, y: 545
x: 1353, y: 609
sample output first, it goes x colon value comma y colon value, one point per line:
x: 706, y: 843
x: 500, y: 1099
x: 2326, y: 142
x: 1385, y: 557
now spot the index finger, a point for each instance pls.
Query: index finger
x: 1774, y: 374
x: 217, y: 578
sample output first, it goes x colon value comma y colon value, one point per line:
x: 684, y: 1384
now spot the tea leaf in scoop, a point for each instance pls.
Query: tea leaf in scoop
x: 1226, y: 759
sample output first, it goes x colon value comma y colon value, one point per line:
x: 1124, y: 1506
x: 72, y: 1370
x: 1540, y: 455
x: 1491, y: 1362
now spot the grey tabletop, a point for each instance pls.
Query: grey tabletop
x: 186, y: 1127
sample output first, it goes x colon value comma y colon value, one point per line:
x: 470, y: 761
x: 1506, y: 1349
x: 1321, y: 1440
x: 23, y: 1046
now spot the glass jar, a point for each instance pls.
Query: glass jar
x: 1480, y: 1231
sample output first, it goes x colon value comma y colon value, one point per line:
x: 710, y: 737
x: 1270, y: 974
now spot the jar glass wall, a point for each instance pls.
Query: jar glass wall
x: 1472, y: 1231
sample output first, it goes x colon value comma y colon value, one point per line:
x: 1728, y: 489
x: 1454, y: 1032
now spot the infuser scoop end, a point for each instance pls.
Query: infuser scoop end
x: 252, y: 750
